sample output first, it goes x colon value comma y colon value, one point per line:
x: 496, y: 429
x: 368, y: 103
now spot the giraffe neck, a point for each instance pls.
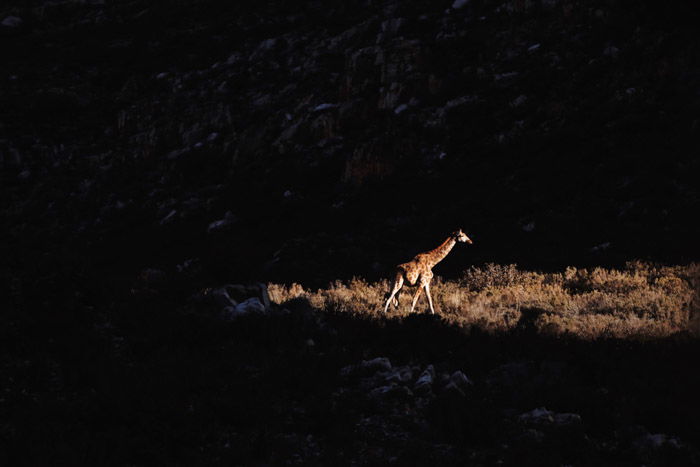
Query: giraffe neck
x: 439, y: 253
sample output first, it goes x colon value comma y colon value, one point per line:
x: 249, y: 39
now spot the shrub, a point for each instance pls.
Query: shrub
x: 642, y: 299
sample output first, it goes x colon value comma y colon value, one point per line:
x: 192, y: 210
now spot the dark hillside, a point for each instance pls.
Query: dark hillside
x: 363, y: 129
x: 152, y: 151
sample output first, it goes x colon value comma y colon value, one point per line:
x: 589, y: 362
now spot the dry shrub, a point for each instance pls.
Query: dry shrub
x: 641, y: 300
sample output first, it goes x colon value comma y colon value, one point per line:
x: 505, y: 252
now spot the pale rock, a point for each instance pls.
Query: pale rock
x: 376, y: 364
x: 538, y: 416
x: 12, y: 22
x: 169, y: 218
x: 460, y: 380
x: 425, y: 381
x: 222, y: 224
x: 252, y: 305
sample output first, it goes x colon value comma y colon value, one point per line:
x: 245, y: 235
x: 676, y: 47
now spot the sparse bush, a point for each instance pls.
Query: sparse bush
x: 642, y: 300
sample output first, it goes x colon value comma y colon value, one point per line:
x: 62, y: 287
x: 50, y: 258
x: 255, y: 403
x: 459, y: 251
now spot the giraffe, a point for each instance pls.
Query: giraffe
x: 419, y: 272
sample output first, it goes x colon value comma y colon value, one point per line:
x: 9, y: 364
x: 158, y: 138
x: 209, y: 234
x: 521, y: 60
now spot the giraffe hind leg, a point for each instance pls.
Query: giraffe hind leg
x: 430, y: 298
x: 398, y: 283
x: 416, y: 297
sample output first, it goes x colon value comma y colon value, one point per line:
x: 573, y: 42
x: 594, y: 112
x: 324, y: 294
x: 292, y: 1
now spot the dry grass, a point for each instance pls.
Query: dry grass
x: 641, y: 300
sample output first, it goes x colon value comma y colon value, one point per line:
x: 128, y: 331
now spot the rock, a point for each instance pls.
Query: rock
x: 460, y: 101
x: 264, y: 294
x: 190, y: 266
x: 529, y: 227
x: 169, y: 218
x: 241, y: 293
x: 518, y: 101
x: 567, y: 419
x: 264, y: 48
x: 505, y: 76
x: 400, y: 375
x: 175, y: 154
x: 391, y: 391
x: 452, y: 388
x: 252, y: 305
x: 221, y: 298
x: 457, y: 384
x: 389, y: 29
x: 400, y: 108
x: 654, y: 441
x: 152, y: 277
x: 222, y: 224
x: 460, y: 380
x: 10, y: 158
x: 649, y: 444
x: 611, y: 51
x: 325, y: 106
x: 543, y: 417
x: 538, y: 416
x: 12, y: 22
x: 602, y: 247
x: 393, y: 25
x: 424, y: 383
x: 376, y: 364
x: 379, y: 365
x: 530, y: 436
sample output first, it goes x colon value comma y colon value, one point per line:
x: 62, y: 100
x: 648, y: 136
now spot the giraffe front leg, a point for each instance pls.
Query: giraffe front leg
x: 391, y: 297
x: 415, y: 298
x: 394, y: 291
x: 430, y: 299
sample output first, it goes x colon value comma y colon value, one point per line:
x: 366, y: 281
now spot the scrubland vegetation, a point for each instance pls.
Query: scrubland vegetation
x: 639, y: 300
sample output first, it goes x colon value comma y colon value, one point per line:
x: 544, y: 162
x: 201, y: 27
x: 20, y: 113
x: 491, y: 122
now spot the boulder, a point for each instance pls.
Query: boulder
x: 252, y: 305
x: 221, y: 298
x: 240, y: 292
x: 151, y: 277
x: 399, y: 375
x: 460, y: 380
x: 375, y: 365
x: 538, y: 416
x: 12, y: 22
x: 424, y: 383
x: 222, y: 224
x: 543, y: 417
x: 390, y: 391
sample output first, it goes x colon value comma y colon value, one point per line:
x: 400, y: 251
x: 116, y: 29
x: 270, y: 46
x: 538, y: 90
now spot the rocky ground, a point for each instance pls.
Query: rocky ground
x: 250, y: 384
x: 150, y: 150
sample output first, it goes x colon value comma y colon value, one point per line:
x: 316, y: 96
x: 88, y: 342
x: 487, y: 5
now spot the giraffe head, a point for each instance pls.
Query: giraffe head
x: 461, y: 237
